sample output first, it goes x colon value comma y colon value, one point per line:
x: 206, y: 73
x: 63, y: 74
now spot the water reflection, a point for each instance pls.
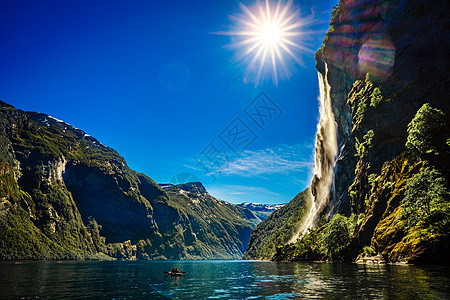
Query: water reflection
x: 221, y: 279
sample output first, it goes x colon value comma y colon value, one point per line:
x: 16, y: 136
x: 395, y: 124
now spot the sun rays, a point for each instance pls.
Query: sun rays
x: 268, y: 40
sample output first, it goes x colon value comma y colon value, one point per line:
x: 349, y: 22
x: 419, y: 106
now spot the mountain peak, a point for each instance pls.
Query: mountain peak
x: 192, y: 187
x: 4, y: 104
x: 261, y: 207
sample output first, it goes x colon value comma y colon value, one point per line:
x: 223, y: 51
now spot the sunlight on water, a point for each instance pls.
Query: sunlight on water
x: 220, y: 280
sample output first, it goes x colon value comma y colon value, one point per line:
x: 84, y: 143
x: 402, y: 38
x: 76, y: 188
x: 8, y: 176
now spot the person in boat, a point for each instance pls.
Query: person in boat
x: 175, y: 270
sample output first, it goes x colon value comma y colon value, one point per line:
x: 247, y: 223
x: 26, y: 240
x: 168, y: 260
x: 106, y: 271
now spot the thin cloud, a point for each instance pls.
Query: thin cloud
x: 242, y: 193
x: 283, y: 159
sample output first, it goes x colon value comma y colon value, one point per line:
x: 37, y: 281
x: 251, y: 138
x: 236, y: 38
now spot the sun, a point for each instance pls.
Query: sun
x: 268, y: 37
x: 270, y: 34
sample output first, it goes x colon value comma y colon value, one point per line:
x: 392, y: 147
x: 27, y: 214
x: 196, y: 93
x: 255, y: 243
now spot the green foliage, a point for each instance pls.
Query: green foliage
x: 278, y: 228
x: 360, y: 149
x: 354, y: 221
x: 363, y: 98
x: 372, y: 178
x: 427, y: 132
x: 322, y: 221
x: 352, y: 195
x: 387, y: 185
x: 8, y: 185
x: 359, y: 100
x: 368, y: 251
x: 427, y: 198
x: 329, y: 241
x: 366, y: 144
x: 416, y: 222
x: 376, y: 98
x: 21, y: 239
x: 337, y: 11
x: 368, y: 138
x: 335, y: 14
x: 337, y: 235
x: 360, y: 111
x: 373, y: 181
x: 310, y: 246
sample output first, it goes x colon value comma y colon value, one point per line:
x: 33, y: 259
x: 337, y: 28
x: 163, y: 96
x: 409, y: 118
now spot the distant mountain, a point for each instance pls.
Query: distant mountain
x: 64, y: 195
x: 211, y: 228
x: 262, y: 211
x: 278, y: 228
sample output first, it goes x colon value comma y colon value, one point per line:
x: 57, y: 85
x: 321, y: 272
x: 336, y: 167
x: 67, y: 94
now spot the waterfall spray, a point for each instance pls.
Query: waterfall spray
x: 325, y: 154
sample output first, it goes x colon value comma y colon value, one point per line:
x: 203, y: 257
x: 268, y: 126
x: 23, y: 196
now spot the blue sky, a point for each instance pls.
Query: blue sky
x: 154, y: 80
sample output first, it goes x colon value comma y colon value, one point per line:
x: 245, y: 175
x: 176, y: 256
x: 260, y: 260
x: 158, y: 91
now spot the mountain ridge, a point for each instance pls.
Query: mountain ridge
x: 65, y: 195
x: 262, y: 211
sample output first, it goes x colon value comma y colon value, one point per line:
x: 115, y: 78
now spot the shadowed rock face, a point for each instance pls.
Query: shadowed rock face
x: 402, y: 45
x: 111, y: 201
x: 63, y: 194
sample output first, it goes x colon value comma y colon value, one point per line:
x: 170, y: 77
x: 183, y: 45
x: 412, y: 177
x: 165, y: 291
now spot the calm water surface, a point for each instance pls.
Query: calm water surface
x: 221, y: 279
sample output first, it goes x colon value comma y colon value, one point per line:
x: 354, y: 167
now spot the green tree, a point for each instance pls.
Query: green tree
x: 368, y: 142
x: 427, y: 132
x: 376, y: 98
x: 309, y: 246
x: 322, y: 221
x: 426, y: 195
x: 338, y: 236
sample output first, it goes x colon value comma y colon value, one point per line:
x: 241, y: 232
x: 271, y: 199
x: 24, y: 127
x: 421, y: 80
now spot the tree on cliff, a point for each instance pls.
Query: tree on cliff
x: 427, y: 132
x: 427, y: 199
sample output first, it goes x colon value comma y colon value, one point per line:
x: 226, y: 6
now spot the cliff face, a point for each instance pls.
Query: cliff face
x: 403, y: 46
x: 64, y: 195
x: 385, y: 59
x: 381, y: 61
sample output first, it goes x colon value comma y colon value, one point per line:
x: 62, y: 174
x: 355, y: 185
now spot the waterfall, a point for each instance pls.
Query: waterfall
x: 326, y: 149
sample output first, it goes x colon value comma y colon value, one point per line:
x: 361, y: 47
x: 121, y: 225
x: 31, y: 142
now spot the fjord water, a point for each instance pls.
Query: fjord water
x: 221, y: 279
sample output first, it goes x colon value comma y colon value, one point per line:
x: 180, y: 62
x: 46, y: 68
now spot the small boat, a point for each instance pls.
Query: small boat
x: 174, y: 273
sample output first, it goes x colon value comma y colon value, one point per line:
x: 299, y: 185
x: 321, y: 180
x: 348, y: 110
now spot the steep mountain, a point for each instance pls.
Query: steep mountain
x: 382, y: 148
x: 278, y: 228
x: 208, y: 227
x: 64, y: 195
x: 262, y: 211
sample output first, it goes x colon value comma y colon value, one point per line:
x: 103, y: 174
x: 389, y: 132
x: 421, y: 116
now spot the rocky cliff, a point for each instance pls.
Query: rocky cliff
x: 64, y: 195
x: 385, y: 69
x: 401, y: 47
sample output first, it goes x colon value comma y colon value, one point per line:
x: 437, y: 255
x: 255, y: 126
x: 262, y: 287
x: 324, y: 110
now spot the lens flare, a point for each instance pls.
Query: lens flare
x: 376, y: 56
x: 268, y: 36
